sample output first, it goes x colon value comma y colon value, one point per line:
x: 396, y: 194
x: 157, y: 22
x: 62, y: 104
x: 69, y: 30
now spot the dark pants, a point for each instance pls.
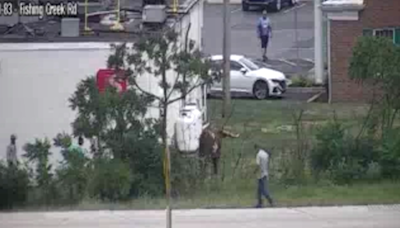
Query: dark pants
x: 264, y: 41
x: 263, y: 191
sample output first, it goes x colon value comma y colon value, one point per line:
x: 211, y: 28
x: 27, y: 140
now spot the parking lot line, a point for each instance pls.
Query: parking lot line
x: 236, y: 10
x: 295, y: 8
x: 288, y: 62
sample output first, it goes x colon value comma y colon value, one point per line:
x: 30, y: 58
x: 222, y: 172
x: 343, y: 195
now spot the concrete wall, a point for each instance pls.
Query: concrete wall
x: 36, y: 80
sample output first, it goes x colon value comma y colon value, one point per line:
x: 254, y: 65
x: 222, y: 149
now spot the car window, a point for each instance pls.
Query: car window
x: 249, y: 64
x: 236, y: 66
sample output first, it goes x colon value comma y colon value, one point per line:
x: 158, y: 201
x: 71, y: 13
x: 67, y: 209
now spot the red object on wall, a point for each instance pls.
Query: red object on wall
x: 107, y: 77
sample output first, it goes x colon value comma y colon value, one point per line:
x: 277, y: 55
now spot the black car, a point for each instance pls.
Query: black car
x: 276, y: 5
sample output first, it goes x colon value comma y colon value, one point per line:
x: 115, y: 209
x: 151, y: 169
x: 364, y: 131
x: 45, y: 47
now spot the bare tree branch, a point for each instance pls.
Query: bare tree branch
x: 144, y: 91
x: 183, y: 95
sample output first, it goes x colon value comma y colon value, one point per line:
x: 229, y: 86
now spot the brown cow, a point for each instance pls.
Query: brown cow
x: 210, y: 146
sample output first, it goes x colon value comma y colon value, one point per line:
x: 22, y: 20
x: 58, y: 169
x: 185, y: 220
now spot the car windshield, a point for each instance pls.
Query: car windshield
x: 249, y: 64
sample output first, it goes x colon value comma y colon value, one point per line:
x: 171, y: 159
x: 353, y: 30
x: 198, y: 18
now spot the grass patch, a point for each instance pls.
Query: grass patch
x: 233, y: 196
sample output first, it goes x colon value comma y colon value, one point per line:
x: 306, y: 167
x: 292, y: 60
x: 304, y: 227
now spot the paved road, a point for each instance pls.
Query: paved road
x: 311, y: 217
x: 283, y: 46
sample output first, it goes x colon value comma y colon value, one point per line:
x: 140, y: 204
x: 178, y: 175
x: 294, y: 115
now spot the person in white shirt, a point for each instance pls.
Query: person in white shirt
x: 262, y: 160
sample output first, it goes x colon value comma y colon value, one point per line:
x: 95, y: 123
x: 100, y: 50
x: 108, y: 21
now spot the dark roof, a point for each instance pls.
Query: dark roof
x: 48, y: 29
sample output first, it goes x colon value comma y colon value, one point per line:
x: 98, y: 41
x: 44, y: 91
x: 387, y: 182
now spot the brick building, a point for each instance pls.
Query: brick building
x: 348, y: 20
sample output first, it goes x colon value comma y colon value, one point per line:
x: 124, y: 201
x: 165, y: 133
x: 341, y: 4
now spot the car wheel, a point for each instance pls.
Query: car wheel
x: 260, y: 90
x: 277, y: 5
x: 245, y: 6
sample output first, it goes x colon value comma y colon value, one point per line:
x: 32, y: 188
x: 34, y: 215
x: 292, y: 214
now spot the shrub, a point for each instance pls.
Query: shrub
x: 330, y: 142
x: 301, y: 81
x: 390, y: 154
x: 73, y: 173
x: 343, y: 156
x: 14, y: 186
x: 186, y: 175
x: 38, y: 154
x: 111, y: 180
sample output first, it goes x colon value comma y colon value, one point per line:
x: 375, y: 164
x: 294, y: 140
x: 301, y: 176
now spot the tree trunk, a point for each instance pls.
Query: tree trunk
x: 167, y: 161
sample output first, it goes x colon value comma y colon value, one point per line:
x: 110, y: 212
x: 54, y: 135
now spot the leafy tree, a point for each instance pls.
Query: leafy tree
x: 375, y: 60
x: 158, y: 54
x: 38, y: 153
x: 118, y: 122
x: 73, y: 173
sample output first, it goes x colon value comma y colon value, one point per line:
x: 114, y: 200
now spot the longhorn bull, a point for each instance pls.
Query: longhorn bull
x: 210, y: 146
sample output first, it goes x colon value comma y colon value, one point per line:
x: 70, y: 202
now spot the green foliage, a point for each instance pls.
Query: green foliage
x: 330, y: 140
x: 111, y: 180
x: 155, y: 55
x: 301, y: 81
x: 340, y: 154
x: 38, y: 154
x: 143, y: 154
x: 118, y: 121
x: 186, y: 175
x: 390, y: 154
x: 73, y: 173
x: 14, y: 186
x: 158, y: 55
x: 375, y: 58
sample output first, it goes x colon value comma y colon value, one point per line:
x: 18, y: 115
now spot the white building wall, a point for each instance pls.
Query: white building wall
x: 36, y: 80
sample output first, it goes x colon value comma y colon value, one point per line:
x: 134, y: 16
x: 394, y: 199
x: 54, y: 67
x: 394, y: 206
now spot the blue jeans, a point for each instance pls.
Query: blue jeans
x: 263, y: 191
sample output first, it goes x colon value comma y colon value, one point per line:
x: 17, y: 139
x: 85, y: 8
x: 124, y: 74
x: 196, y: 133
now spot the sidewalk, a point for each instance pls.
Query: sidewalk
x: 382, y: 216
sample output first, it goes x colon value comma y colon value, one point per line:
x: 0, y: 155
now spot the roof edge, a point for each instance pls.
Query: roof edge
x: 342, y: 7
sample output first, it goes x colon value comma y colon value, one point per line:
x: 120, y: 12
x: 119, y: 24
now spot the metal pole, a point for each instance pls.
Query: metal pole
x: 318, y: 50
x: 226, y: 60
x: 169, y: 209
x: 296, y: 33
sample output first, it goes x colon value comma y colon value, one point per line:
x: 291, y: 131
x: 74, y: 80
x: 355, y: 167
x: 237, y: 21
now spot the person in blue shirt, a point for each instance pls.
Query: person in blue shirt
x: 264, y: 32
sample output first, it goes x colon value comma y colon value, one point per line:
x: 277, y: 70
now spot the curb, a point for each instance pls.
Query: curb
x: 305, y: 90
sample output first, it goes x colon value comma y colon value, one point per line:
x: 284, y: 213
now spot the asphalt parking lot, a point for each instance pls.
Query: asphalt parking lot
x: 287, y: 53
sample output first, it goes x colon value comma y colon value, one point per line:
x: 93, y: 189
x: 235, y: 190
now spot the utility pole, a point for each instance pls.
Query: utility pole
x: 318, y: 50
x: 296, y: 35
x: 226, y: 60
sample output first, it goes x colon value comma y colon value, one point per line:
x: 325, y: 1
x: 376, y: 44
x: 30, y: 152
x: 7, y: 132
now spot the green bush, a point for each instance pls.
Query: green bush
x: 38, y: 154
x: 329, y: 146
x: 186, y: 175
x: 111, y: 180
x: 301, y: 81
x: 390, y: 154
x: 139, y: 149
x: 73, y: 173
x: 343, y: 156
x: 14, y: 186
